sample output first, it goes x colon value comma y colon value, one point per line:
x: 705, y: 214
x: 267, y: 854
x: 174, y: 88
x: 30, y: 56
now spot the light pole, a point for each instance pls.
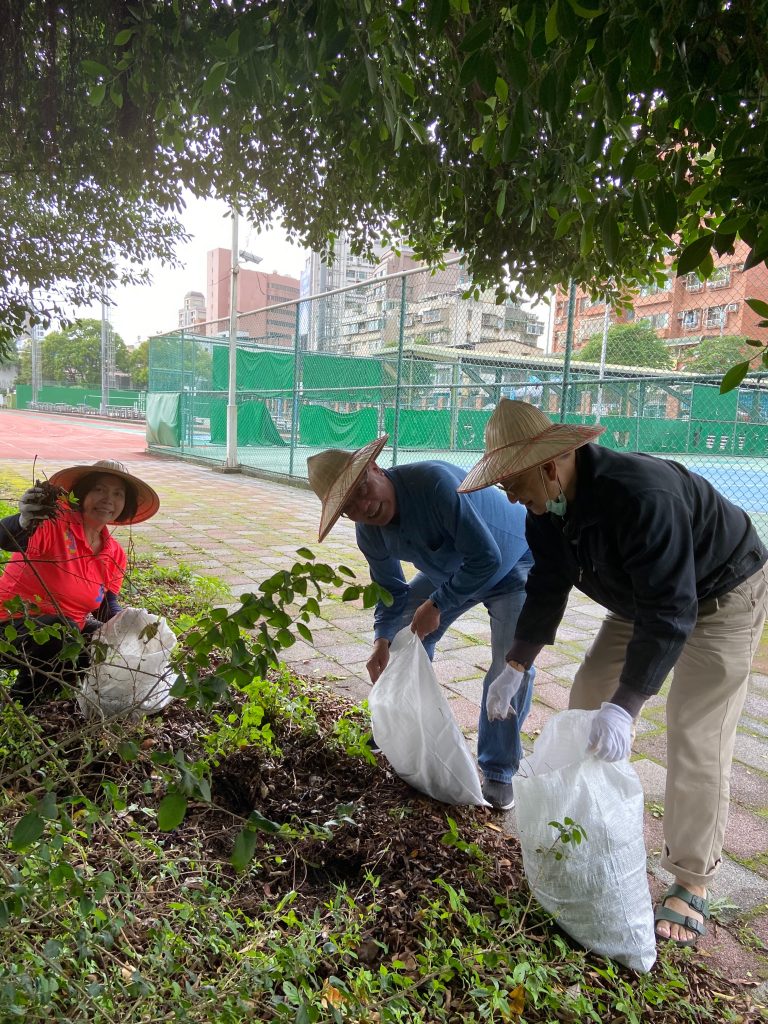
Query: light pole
x: 231, y: 462
x: 601, y: 378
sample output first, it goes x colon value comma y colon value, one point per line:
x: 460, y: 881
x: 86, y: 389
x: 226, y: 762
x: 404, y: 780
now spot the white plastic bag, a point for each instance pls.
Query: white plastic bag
x: 130, y: 666
x: 415, y: 728
x: 598, y: 892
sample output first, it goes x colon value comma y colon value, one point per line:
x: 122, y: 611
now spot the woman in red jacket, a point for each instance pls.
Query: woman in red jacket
x: 65, y: 572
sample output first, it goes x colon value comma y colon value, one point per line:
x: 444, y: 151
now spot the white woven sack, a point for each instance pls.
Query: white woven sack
x: 415, y: 728
x: 134, y: 678
x: 598, y: 892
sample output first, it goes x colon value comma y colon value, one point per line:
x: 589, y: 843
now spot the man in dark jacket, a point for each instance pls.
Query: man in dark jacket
x: 682, y: 574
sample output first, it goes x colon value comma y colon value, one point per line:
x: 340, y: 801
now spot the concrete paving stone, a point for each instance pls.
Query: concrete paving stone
x: 754, y: 726
x: 752, y: 751
x: 566, y: 671
x: 652, y: 746
x: 550, y: 658
x: 536, y: 719
x: 452, y: 670
x: 756, y: 706
x: 750, y: 789
x: 552, y: 694
x: 469, y: 689
x: 745, y: 837
x: 344, y: 653
x: 464, y: 711
x: 653, y: 777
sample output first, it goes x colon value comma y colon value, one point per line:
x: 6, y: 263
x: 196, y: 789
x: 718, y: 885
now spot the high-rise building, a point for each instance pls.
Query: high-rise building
x: 193, y: 310
x: 256, y: 290
x: 681, y: 310
x: 321, y: 320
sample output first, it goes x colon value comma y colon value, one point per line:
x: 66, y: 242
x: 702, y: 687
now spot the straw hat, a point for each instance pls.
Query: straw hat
x: 334, y: 474
x: 147, y: 501
x: 518, y: 436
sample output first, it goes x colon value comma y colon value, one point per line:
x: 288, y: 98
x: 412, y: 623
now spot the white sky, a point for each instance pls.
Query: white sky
x: 140, y: 311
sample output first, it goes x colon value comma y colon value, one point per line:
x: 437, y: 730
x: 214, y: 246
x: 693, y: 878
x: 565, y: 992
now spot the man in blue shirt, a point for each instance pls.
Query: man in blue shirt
x: 467, y: 549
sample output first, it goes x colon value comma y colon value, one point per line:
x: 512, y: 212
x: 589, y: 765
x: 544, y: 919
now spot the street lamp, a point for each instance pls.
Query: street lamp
x: 231, y: 462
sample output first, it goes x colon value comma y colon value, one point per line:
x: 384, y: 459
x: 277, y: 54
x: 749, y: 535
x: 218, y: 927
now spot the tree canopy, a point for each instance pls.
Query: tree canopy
x: 547, y: 141
x: 628, y: 345
x: 717, y: 354
x: 73, y: 355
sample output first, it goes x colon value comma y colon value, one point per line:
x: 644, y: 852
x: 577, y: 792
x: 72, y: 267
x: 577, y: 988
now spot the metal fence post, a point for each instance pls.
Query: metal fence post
x: 398, y: 385
x: 295, y: 395
x: 568, y: 348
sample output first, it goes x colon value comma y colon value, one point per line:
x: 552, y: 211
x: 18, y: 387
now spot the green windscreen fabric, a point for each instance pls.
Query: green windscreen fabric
x: 164, y: 419
x: 328, y: 378
x: 325, y: 428
x: 256, y: 371
x: 470, y: 429
x: 255, y: 426
x: 708, y: 404
x: 420, y: 428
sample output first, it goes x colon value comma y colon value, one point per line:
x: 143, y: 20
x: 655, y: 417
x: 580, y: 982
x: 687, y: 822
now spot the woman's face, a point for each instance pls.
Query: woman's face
x: 105, y: 500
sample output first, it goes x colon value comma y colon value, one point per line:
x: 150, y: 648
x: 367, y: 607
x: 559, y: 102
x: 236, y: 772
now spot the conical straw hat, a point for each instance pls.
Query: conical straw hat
x: 147, y: 501
x: 518, y: 436
x: 334, y: 474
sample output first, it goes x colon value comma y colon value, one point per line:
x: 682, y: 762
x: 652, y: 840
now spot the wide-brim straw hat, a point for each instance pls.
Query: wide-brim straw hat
x: 147, y: 501
x: 334, y: 474
x: 518, y: 437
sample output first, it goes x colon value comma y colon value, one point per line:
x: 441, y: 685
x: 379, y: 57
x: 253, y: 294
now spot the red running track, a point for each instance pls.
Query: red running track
x: 24, y: 435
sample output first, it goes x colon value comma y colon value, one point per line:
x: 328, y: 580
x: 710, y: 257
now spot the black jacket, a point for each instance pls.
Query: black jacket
x: 648, y: 540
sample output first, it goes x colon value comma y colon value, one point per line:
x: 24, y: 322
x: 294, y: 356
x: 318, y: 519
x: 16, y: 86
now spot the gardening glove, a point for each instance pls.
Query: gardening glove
x: 610, y: 737
x: 500, y: 693
x: 33, y: 508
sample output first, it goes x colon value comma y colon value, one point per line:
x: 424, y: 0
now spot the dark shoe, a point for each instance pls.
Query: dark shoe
x: 698, y: 903
x: 499, y: 795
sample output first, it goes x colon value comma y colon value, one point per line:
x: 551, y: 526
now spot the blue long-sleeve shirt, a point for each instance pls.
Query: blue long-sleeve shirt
x: 467, y: 544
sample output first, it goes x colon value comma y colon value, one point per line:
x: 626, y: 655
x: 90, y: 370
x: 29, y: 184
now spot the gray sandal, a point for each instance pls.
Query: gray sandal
x: 698, y: 903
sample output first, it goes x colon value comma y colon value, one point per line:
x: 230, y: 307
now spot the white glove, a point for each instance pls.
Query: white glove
x: 500, y: 693
x: 33, y: 508
x: 610, y: 737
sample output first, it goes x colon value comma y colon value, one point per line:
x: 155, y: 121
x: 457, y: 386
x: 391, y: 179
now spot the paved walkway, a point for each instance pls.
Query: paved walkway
x: 241, y: 529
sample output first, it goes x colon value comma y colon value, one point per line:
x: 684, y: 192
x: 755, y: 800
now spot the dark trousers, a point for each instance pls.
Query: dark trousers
x: 42, y: 666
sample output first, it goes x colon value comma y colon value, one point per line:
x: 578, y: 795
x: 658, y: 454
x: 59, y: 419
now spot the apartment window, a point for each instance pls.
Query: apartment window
x: 715, y: 317
x: 586, y: 303
x: 431, y: 316
x: 534, y: 328
x: 690, y: 318
x: 658, y: 321
x: 492, y: 320
x: 692, y: 283
x: 721, y: 278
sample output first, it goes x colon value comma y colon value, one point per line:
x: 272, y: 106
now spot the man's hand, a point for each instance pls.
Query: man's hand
x: 379, y: 660
x: 33, y: 508
x: 500, y: 693
x: 610, y: 737
x: 425, y: 619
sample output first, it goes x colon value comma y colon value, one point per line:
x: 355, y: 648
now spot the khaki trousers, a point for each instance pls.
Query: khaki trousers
x: 709, y: 687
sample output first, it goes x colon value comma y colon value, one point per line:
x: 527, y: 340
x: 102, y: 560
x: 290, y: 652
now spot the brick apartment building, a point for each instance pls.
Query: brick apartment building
x: 682, y: 312
x: 255, y: 291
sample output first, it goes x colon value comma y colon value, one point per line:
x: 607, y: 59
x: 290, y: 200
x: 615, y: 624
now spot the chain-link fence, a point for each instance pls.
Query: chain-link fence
x: 411, y: 355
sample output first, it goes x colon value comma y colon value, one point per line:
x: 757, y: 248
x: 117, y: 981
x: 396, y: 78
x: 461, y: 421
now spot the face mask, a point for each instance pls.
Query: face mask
x: 557, y: 506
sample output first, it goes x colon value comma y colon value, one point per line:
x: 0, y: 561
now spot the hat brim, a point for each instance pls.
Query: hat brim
x: 345, y: 483
x: 519, y: 457
x: 147, y: 501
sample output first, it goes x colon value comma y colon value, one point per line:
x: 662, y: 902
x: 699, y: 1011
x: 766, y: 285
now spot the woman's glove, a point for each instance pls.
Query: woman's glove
x: 34, y: 508
x: 610, y: 737
x: 500, y: 693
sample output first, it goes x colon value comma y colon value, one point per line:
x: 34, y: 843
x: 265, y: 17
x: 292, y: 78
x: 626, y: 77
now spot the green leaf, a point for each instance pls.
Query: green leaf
x: 611, y: 237
x: 93, y: 69
x: 666, y: 207
x: 477, y: 35
x: 758, y: 306
x: 640, y: 209
x: 694, y: 254
x: 123, y: 36
x: 501, y: 200
x: 259, y: 823
x: 551, y: 31
x: 304, y: 632
x: 587, y: 239
x: 585, y: 12
x: 47, y: 807
x: 171, y: 811
x: 244, y: 849
x: 705, y: 117
x: 406, y: 83
x: 734, y: 377
x: 97, y: 94
x: 437, y: 15
x: 27, y: 831
x: 501, y: 89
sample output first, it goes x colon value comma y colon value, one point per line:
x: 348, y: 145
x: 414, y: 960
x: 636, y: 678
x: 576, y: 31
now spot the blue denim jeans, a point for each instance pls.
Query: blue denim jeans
x: 499, y: 748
